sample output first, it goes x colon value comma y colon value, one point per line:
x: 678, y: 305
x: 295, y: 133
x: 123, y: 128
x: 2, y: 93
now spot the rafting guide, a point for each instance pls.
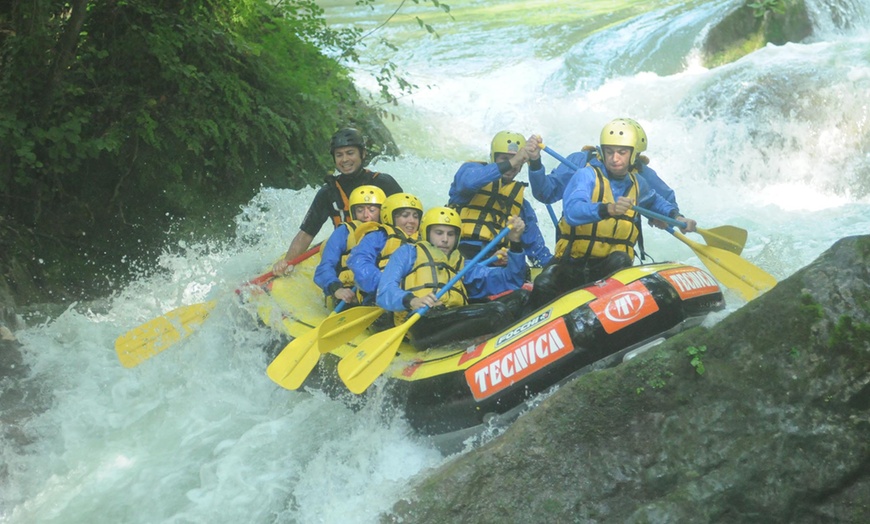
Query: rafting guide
x: 348, y: 149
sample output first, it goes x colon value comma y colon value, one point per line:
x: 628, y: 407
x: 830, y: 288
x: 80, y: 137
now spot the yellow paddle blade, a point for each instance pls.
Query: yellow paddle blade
x: 294, y: 363
x: 358, y: 370
x: 729, y: 238
x: 731, y: 270
x: 152, y: 337
x: 341, y: 328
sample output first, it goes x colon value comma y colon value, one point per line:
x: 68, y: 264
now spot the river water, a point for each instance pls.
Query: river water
x: 777, y: 143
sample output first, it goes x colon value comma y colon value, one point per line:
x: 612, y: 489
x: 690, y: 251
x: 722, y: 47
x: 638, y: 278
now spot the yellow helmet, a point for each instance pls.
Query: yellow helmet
x: 439, y: 216
x: 396, y: 202
x: 627, y: 133
x: 370, y: 195
x: 506, y: 142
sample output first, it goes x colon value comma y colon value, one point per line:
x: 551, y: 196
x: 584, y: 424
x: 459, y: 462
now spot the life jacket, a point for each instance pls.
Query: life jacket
x: 599, y: 239
x: 356, y: 230
x: 395, y: 238
x: 431, y: 271
x: 642, y: 160
x: 486, y: 214
x: 343, y: 215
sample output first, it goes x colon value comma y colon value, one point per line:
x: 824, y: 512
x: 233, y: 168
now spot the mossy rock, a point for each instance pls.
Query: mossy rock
x: 744, y: 31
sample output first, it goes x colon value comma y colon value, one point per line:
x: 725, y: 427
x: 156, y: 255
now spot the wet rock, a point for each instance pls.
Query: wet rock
x: 751, y: 26
x: 775, y: 429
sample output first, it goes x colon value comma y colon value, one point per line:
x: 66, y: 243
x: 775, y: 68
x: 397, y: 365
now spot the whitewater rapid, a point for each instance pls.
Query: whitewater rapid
x: 776, y: 143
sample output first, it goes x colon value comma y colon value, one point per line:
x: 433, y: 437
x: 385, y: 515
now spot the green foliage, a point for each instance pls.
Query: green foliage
x: 849, y: 335
x: 653, y: 372
x: 695, y: 354
x: 762, y: 7
x: 811, y: 307
x: 120, y: 116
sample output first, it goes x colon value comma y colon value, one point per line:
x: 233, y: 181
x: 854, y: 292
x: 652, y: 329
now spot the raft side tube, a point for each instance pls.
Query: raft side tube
x: 552, y: 351
x: 493, y: 423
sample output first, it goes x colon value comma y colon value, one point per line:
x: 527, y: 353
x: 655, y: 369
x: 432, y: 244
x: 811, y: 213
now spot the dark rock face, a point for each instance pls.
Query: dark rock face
x: 775, y: 429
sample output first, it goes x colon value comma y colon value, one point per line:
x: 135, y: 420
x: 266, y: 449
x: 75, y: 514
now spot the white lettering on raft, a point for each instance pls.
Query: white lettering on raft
x: 519, y: 360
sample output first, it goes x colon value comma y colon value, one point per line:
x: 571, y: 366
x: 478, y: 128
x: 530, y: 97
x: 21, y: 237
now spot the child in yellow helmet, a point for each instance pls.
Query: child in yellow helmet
x: 416, y: 272
x: 333, y: 275
x: 400, y: 222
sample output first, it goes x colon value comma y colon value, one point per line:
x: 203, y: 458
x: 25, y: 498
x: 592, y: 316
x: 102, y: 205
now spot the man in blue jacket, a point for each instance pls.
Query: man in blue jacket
x: 549, y: 189
x: 486, y: 194
x: 599, y: 229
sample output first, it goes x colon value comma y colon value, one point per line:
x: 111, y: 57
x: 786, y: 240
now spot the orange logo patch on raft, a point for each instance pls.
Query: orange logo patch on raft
x: 520, y: 359
x: 625, y: 307
x: 691, y: 282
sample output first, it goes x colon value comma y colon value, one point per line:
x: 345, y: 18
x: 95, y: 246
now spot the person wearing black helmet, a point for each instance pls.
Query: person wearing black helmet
x: 348, y: 148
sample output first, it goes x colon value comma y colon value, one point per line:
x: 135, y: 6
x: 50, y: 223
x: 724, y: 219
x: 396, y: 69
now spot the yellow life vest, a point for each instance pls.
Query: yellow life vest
x: 395, y: 238
x: 356, y: 230
x: 431, y: 271
x: 599, y: 239
x: 486, y: 214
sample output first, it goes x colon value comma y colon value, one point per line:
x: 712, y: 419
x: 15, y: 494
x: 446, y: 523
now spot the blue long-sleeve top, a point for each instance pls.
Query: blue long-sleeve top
x: 658, y: 185
x: 480, y: 281
x: 326, y: 273
x: 472, y: 176
x: 551, y: 188
x: 578, y: 207
x: 363, y: 260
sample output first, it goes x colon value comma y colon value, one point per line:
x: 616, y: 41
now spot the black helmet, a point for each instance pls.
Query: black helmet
x: 347, y: 137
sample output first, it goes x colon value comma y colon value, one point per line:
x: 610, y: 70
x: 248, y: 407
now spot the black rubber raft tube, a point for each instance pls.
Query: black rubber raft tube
x: 445, y: 403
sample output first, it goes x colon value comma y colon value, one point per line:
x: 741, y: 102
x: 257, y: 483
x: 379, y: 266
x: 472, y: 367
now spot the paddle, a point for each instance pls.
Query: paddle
x: 294, y: 363
x: 729, y: 238
x: 553, y: 216
x: 152, y: 337
x: 724, y: 237
x: 337, y: 330
x: 358, y: 370
x: 732, y: 270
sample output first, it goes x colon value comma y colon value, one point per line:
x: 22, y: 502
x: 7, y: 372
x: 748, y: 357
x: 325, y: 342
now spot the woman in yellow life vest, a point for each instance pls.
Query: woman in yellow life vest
x: 416, y: 272
x: 599, y: 229
x: 400, y: 223
x: 332, y: 275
